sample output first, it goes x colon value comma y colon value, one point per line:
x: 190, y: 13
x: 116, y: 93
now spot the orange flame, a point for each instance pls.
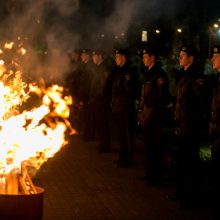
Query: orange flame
x: 34, y: 135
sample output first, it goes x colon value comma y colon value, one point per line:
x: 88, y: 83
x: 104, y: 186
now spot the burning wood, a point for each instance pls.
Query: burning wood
x: 26, y: 184
x: 11, y: 181
x: 17, y: 182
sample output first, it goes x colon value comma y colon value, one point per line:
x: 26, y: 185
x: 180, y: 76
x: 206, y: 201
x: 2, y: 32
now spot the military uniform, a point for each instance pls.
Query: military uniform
x: 84, y: 89
x: 188, y: 118
x: 100, y: 101
x: 154, y: 99
x: 122, y: 104
x: 215, y: 140
x: 215, y: 127
x: 72, y: 84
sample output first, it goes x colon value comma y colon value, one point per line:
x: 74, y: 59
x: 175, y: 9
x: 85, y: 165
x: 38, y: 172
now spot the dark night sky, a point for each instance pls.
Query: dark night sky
x: 89, y: 16
x: 114, y: 16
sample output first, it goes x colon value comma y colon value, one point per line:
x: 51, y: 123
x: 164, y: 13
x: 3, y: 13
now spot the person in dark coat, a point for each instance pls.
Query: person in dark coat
x: 71, y: 80
x: 188, y: 106
x: 72, y: 84
x: 215, y: 133
x: 154, y: 100
x: 123, y: 106
x: 100, y: 99
x: 84, y: 89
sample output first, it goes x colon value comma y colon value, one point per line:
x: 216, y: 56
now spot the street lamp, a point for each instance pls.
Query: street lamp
x: 144, y: 36
x: 215, y: 26
x: 214, y: 34
x: 157, y: 31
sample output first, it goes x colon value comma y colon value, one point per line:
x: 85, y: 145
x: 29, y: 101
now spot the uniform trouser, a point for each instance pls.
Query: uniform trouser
x: 215, y: 168
x: 88, y: 122
x: 188, y: 167
x: 125, y: 124
x: 153, y: 151
x: 102, y: 124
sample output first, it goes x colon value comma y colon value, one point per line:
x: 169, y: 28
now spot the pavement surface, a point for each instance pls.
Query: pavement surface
x: 82, y: 184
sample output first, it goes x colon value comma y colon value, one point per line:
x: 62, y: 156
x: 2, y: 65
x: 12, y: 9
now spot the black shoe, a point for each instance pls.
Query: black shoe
x: 123, y: 164
x: 173, y: 197
x: 143, y: 178
x: 153, y: 183
x: 185, y: 205
x: 191, y: 203
x: 103, y: 150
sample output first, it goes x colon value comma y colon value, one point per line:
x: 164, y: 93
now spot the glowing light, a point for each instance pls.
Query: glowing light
x: 215, y: 25
x: 157, y: 31
x: 9, y: 45
x: 144, y: 36
x: 22, y: 51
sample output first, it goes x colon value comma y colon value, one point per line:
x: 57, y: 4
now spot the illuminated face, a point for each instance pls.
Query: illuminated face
x: 148, y: 60
x: 185, y: 60
x: 96, y: 58
x: 74, y: 56
x: 85, y: 57
x: 216, y: 61
x: 120, y: 59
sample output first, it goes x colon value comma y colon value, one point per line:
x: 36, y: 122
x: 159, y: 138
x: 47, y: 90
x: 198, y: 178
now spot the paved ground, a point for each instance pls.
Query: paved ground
x: 82, y: 184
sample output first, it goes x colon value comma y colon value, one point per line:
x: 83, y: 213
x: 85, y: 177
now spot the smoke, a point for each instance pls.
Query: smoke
x: 120, y: 19
x: 51, y: 28
x: 127, y: 14
x: 152, y: 10
x: 67, y: 7
x: 44, y: 27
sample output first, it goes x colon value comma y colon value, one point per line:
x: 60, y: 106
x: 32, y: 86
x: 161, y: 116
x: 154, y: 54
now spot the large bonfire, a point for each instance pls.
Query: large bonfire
x: 27, y: 137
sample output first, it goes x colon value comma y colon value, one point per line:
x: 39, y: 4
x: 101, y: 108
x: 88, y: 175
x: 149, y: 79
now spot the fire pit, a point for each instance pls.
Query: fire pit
x: 22, y: 207
x: 19, y: 198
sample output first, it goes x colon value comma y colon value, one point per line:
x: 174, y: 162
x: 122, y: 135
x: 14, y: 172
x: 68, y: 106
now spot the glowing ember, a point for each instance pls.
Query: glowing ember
x: 28, y: 136
x: 9, y: 45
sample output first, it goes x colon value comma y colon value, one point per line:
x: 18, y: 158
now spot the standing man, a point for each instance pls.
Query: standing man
x: 215, y: 132
x: 100, y: 99
x: 73, y: 86
x: 123, y: 106
x: 154, y: 99
x: 84, y: 89
x: 189, y: 97
x: 74, y: 61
